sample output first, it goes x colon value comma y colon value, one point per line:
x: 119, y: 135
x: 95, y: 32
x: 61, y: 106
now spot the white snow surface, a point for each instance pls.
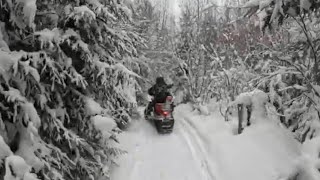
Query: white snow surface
x: 205, y: 147
x: 157, y: 157
x: 104, y: 124
x: 17, y: 169
x: 92, y: 107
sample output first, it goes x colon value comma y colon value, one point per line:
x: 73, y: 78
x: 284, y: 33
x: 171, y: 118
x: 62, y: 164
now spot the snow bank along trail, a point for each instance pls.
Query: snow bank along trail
x: 176, y: 156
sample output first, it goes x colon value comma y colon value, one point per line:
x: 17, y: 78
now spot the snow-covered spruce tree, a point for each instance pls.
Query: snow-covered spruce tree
x: 291, y: 72
x: 63, y: 81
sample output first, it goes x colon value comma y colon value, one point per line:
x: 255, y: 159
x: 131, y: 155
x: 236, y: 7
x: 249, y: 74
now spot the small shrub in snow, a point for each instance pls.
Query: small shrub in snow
x: 257, y: 100
x: 254, y: 103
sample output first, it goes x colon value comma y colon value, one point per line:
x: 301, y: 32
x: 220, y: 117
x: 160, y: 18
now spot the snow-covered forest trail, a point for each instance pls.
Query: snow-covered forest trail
x: 180, y: 155
x: 205, y: 147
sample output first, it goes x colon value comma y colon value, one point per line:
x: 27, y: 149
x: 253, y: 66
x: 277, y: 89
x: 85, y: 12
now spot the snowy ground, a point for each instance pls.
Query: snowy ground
x: 160, y: 157
x: 205, y: 148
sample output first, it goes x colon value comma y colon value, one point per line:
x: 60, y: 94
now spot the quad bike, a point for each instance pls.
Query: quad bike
x: 162, y: 115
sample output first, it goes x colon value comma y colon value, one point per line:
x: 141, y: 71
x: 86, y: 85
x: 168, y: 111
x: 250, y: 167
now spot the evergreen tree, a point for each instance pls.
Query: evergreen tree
x: 64, y: 70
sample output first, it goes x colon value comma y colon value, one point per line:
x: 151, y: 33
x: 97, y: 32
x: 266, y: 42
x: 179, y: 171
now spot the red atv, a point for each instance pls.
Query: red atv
x: 162, y: 115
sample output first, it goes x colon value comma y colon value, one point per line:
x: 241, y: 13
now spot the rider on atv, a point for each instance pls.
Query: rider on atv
x: 160, y: 91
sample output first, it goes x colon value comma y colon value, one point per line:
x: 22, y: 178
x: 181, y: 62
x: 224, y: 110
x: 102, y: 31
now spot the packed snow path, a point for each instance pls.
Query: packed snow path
x: 151, y: 156
x: 205, y: 147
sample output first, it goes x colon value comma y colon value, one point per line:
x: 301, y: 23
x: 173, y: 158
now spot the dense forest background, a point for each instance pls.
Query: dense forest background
x: 70, y: 67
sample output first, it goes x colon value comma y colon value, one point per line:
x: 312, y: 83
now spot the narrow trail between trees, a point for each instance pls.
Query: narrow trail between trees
x: 204, y: 147
x: 180, y: 155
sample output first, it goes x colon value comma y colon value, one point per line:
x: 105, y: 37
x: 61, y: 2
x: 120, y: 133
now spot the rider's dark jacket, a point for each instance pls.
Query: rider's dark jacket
x: 160, y: 90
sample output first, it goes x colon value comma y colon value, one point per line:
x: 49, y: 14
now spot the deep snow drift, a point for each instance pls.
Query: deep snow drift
x: 204, y: 147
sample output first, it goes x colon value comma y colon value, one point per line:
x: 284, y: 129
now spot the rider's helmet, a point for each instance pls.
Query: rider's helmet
x: 160, y: 80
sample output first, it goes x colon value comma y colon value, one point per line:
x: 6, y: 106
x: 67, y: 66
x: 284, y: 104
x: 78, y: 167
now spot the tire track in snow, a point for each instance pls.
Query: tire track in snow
x: 195, y: 143
x: 176, y: 156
